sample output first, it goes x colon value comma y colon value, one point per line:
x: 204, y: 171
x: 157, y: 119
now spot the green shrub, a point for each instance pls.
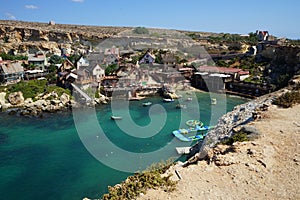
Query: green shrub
x: 5, y: 56
x: 288, y: 99
x: 30, y: 89
x: 33, y: 88
x: 238, y: 137
x: 140, y: 182
x: 141, y: 30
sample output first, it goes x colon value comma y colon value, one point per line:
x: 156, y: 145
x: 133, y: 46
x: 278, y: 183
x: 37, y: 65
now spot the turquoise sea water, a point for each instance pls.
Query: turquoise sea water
x: 46, y: 158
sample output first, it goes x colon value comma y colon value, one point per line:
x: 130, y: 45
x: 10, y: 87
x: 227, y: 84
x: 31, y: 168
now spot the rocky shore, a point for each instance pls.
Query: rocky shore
x: 43, y: 103
x: 266, y: 167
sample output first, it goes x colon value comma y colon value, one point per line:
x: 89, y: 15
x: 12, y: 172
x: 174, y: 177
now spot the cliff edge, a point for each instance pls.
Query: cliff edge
x: 265, y: 168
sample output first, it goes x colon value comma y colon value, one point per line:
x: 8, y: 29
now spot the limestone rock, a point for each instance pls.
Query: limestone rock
x: 28, y: 101
x: 2, y: 98
x: 64, y: 98
x: 40, y: 103
x: 16, y: 98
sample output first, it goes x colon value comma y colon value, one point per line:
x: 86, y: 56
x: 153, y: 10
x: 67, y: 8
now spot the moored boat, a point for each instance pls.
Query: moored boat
x: 168, y: 100
x: 115, y: 117
x: 213, y: 101
x: 147, y: 103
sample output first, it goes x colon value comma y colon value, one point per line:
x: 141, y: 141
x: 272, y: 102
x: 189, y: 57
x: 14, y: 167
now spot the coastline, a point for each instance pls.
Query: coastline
x: 265, y: 168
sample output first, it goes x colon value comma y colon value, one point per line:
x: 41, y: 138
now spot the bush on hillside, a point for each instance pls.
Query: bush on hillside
x: 33, y: 88
x: 141, y: 30
x: 139, y: 183
x: 238, y: 137
x: 288, y: 99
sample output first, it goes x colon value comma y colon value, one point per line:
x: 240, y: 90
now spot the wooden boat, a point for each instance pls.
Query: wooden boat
x: 147, y: 103
x: 116, y: 117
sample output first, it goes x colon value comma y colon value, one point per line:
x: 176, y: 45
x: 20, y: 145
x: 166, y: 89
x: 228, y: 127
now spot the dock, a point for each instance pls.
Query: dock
x: 183, y: 150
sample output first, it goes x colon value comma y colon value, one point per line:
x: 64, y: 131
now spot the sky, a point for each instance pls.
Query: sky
x: 280, y: 17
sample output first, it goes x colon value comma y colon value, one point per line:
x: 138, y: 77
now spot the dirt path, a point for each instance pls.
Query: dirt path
x: 267, y: 168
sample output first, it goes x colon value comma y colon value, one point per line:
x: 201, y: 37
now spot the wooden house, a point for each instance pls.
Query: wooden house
x: 148, y: 58
x: 38, y: 60
x: 11, y: 71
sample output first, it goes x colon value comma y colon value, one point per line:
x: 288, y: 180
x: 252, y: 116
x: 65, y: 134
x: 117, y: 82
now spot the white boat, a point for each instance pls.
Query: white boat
x: 168, y: 100
x: 189, y: 99
x: 213, y: 101
x: 116, y: 117
x: 147, y: 103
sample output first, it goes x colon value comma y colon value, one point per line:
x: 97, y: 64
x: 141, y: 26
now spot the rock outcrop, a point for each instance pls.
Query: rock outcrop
x: 16, y: 98
x: 23, y: 37
x: 49, y: 102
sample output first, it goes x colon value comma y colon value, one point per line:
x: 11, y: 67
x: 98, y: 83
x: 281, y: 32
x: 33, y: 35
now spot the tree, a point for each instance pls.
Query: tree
x: 55, y: 59
x: 111, y: 68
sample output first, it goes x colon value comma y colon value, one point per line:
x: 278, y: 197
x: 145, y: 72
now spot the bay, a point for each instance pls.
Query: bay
x: 47, y: 158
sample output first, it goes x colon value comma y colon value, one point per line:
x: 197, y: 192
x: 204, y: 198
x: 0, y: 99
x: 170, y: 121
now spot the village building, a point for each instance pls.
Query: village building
x: 148, y: 58
x: 64, y: 69
x: 214, y: 78
x: 11, y: 71
x: 90, y: 74
x: 38, y: 60
x: 111, y: 56
x: 82, y: 62
x: 262, y: 35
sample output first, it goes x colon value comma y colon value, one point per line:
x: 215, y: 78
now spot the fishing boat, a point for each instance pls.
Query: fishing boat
x: 147, y: 103
x: 115, y: 117
x: 168, y: 100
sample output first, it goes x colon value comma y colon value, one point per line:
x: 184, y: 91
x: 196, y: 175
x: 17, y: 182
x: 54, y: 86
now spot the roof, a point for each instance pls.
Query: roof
x: 35, y: 58
x: 12, y: 67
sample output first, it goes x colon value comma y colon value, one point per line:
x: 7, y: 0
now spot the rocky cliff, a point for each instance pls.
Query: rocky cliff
x: 22, y: 37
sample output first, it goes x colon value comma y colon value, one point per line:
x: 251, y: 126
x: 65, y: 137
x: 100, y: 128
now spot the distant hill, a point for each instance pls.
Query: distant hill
x: 21, y: 37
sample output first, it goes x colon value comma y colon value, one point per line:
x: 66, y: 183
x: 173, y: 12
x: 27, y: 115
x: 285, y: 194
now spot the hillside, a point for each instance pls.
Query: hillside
x: 21, y: 37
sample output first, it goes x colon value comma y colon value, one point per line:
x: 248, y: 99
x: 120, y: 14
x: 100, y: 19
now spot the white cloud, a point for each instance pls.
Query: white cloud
x: 78, y: 1
x: 31, y: 7
x: 10, y: 16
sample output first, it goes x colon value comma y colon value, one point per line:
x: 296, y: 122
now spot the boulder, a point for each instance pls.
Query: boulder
x: 40, y: 104
x: 64, y: 98
x: 55, y: 102
x: 28, y: 101
x: 2, y: 98
x: 16, y: 98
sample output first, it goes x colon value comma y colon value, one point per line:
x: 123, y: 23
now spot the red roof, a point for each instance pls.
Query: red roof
x: 214, y: 69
